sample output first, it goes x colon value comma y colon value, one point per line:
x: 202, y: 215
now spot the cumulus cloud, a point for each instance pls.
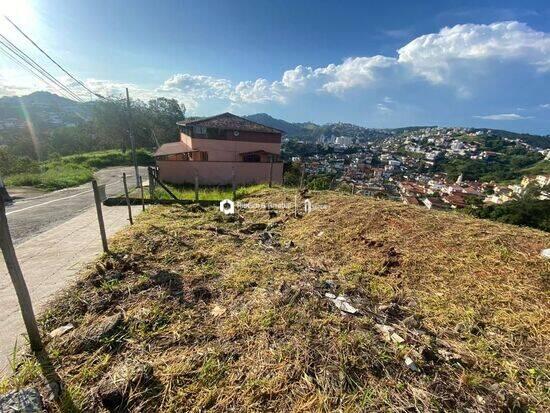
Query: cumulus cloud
x: 503, y: 116
x: 446, y: 57
x: 198, y: 86
x: 458, y: 58
x: 434, y: 55
x: 355, y: 72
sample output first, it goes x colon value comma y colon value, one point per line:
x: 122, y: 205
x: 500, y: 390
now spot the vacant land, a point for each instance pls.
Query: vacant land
x: 199, y: 311
x: 212, y: 193
x: 74, y: 170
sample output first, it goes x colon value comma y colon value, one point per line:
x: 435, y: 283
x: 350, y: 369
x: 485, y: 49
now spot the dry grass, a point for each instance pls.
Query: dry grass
x: 229, y: 322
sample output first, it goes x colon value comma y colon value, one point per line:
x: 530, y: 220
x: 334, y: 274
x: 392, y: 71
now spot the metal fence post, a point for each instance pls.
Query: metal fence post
x: 97, y: 199
x: 18, y: 281
x: 127, y: 198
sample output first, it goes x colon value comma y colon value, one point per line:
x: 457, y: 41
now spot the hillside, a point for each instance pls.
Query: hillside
x: 44, y: 108
x: 312, y: 131
x: 292, y: 129
x: 49, y: 111
x: 201, y: 311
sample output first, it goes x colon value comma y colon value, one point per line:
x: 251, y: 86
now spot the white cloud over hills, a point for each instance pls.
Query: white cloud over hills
x: 452, y: 57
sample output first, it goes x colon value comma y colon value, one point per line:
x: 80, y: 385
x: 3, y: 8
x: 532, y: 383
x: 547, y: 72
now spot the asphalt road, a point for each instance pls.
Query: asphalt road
x: 31, y: 215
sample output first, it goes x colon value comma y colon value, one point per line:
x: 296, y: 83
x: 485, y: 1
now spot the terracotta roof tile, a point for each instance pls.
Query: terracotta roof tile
x: 232, y: 122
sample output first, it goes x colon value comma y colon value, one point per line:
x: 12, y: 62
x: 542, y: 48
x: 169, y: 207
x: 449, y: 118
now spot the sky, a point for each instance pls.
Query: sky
x: 376, y: 64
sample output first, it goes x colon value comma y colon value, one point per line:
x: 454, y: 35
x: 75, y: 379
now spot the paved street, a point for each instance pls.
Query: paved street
x: 34, y: 214
x: 56, y: 236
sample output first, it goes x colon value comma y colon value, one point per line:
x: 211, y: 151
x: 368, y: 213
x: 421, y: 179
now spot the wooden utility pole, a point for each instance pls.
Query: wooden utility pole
x: 127, y: 199
x: 97, y: 199
x: 132, y: 141
x: 18, y: 281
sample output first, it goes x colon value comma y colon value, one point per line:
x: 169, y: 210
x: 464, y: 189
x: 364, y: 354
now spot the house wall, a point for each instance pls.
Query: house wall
x: 229, y: 150
x: 219, y: 173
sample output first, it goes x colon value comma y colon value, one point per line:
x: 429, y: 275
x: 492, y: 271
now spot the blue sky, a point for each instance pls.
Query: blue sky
x: 377, y: 64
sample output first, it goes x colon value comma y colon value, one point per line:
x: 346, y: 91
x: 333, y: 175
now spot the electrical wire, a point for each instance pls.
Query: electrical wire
x: 55, y: 62
x: 31, y: 62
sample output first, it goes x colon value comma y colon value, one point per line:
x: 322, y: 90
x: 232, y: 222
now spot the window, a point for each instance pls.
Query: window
x: 199, y: 130
x: 251, y: 157
x: 215, y: 133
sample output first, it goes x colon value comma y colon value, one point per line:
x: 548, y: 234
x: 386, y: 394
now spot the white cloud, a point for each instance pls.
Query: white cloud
x: 354, y: 72
x: 454, y: 56
x: 446, y: 57
x: 198, y: 86
x: 434, y: 55
x: 545, y: 106
x: 504, y: 116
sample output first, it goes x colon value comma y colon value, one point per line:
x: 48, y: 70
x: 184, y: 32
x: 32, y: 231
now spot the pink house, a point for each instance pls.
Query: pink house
x: 219, y: 147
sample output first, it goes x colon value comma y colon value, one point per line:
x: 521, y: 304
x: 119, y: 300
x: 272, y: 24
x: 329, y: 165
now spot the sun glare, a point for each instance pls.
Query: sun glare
x: 20, y: 11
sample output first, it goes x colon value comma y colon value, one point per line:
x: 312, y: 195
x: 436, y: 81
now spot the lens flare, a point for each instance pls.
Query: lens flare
x: 30, y: 127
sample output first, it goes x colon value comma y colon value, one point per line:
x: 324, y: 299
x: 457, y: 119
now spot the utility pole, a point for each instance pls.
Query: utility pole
x: 132, y: 141
x: 18, y: 281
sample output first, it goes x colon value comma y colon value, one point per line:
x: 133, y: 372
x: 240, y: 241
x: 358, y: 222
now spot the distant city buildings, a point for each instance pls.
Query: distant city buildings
x: 403, y: 167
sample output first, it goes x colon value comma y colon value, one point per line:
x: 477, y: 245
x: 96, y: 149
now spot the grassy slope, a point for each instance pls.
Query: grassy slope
x: 74, y: 170
x: 469, y: 296
x: 218, y: 193
x: 541, y: 167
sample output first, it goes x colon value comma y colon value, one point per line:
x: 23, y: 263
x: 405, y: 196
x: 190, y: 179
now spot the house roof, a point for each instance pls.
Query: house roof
x: 229, y: 121
x: 172, y: 148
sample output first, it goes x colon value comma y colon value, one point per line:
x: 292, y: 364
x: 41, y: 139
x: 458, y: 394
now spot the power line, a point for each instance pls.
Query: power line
x: 34, y: 70
x: 30, y: 61
x: 49, y: 57
x: 6, y: 52
x: 18, y: 59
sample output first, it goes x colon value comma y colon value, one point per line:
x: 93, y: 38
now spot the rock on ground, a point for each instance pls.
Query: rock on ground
x: 23, y: 401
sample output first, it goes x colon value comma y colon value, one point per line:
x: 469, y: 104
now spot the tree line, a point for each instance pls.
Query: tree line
x: 107, y: 126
